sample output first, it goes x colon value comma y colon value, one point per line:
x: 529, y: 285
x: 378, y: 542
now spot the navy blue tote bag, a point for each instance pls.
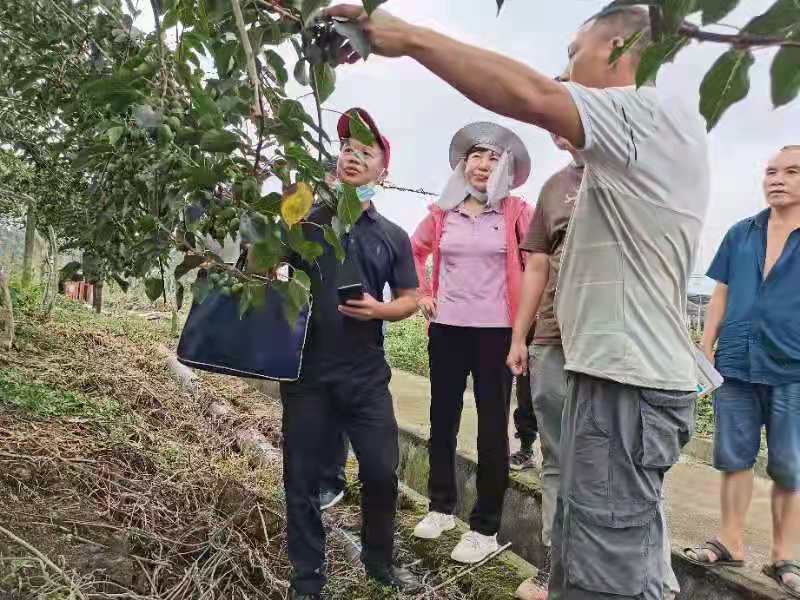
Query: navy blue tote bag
x: 261, y: 345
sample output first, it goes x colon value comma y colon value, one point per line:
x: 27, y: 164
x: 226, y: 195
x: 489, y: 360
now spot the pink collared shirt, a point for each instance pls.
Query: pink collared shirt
x: 472, y: 280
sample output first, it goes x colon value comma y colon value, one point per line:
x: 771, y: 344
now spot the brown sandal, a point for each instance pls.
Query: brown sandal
x: 780, y: 568
x: 724, y: 557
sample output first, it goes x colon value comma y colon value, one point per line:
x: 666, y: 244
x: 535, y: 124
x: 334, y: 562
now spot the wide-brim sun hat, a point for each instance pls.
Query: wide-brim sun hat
x: 492, y: 135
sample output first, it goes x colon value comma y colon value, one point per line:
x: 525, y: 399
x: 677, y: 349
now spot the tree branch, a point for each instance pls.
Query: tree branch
x: 157, y: 19
x: 739, y: 40
x: 655, y: 23
x: 252, y: 72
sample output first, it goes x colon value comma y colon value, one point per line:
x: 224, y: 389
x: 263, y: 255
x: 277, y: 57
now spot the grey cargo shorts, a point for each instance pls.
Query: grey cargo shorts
x: 617, y: 442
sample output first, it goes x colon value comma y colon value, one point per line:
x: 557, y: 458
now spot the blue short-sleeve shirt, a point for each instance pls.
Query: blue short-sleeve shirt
x: 760, y: 336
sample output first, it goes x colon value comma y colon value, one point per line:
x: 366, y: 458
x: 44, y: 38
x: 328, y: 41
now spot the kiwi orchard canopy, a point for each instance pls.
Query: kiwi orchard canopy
x: 134, y: 150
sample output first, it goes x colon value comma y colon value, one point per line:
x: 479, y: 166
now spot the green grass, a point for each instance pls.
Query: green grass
x: 44, y: 401
x: 705, y: 417
x: 406, y: 346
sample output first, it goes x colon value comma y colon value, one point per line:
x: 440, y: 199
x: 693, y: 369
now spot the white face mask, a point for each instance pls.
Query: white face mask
x: 497, y: 189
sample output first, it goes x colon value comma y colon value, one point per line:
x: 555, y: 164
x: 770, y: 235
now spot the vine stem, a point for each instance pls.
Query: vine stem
x: 250, y: 58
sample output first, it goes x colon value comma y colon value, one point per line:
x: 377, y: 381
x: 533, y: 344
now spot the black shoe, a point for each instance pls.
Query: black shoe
x: 295, y: 595
x: 398, y: 578
x: 329, y: 499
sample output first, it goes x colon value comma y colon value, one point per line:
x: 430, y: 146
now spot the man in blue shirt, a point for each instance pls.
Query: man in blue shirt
x: 755, y: 315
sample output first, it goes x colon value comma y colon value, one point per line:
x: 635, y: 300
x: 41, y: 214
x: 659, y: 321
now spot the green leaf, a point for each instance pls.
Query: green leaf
x: 779, y: 18
x: 785, y: 73
x: 310, y: 8
x: 333, y: 240
x: 716, y: 10
x: 219, y: 140
x: 323, y: 81
x: 258, y: 294
x: 205, y: 175
x: 371, y: 5
x: 267, y: 253
x: 170, y: 19
x: 200, y: 289
x: 278, y: 65
x: 114, y: 134
x: 622, y: 50
x: 657, y: 55
x: 726, y: 83
x: 359, y: 129
x: 206, y: 107
x: 308, y: 163
x: 295, y: 294
x: 190, y: 261
x: 674, y: 13
x: 301, y: 72
x: 88, y: 153
x: 309, y: 251
x: 115, y: 91
x: 349, y: 208
x: 245, y: 301
x: 154, y: 288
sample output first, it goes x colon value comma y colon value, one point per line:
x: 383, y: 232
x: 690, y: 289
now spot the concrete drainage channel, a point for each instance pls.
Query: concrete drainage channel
x: 521, y: 524
x: 522, y: 520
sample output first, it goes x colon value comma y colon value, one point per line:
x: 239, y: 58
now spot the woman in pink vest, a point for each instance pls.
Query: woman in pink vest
x: 473, y: 232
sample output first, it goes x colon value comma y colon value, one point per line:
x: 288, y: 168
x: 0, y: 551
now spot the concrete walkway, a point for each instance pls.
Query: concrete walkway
x: 692, y: 487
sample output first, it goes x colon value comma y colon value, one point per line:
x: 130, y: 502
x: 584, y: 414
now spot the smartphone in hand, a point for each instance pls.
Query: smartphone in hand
x: 354, y: 291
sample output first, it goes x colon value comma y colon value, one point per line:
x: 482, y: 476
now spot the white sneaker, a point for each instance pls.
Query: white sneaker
x: 433, y: 525
x: 474, y: 547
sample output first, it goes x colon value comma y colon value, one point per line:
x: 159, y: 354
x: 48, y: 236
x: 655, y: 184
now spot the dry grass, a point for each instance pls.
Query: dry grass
x: 115, y: 483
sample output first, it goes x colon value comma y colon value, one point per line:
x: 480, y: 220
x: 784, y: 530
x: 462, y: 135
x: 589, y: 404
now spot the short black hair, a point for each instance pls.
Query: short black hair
x: 790, y: 147
x: 625, y: 21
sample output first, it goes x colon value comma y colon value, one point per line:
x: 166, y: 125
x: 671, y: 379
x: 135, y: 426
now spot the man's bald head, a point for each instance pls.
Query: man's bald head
x: 623, y: 22
x: 597, y: 39
x: 782, y: 178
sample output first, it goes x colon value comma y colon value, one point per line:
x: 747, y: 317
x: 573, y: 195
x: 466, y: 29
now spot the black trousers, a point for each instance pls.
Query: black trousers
x: 454, y: 353
x: 356, y: 401
x: 332, y: 472
x: 524, y: 417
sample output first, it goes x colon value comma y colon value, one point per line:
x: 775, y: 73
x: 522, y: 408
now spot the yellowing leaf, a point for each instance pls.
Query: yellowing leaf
x: 296, y: 203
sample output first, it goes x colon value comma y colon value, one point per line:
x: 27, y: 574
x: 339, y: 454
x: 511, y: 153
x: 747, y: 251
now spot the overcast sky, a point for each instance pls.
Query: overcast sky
x: 420, y: 114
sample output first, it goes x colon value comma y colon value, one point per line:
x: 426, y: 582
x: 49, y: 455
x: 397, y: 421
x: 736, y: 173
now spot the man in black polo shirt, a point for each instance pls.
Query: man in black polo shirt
x: 344, y: 382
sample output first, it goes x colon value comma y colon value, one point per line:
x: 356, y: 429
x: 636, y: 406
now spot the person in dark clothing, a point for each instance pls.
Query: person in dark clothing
x: 525, y: 423
x: 333, y: 479
x: 344, y: 382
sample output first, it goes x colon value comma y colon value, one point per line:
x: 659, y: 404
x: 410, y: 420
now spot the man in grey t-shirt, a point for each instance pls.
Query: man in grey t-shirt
x: 621, y: 296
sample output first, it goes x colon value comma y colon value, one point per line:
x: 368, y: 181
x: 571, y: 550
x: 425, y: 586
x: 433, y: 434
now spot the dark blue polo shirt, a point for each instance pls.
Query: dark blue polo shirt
x: 378, y: 253
x: 760, y: 336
